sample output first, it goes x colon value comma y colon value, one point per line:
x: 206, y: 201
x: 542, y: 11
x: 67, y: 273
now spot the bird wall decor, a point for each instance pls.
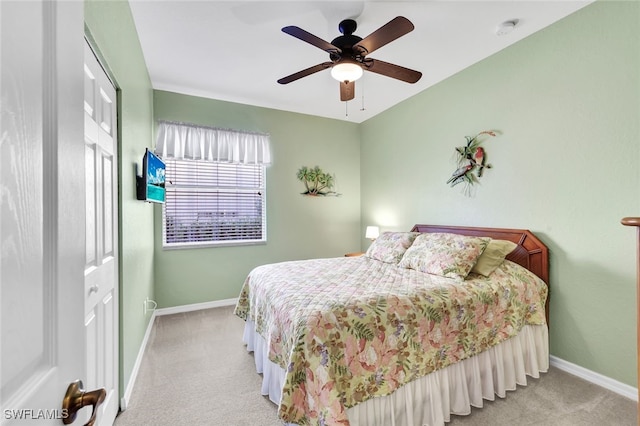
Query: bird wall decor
x: 471, y: 162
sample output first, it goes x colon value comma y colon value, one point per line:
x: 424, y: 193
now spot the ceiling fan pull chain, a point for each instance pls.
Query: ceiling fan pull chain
x: 346, y: 108
x: 362, y: 89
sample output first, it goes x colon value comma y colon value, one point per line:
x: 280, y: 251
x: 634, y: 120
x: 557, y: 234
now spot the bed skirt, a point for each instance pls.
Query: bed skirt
x: 430, y: 400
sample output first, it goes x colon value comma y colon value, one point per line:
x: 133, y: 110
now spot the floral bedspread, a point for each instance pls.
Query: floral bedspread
x: 349, y: 329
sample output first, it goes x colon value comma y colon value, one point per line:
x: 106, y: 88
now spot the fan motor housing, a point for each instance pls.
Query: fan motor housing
x: 346, y: 41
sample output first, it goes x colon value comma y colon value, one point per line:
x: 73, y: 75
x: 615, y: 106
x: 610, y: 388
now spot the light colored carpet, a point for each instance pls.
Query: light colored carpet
x: 196, y: 371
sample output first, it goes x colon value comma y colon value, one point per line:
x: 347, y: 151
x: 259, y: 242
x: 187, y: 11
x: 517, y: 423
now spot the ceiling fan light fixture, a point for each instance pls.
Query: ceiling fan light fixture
x: 346, y: 71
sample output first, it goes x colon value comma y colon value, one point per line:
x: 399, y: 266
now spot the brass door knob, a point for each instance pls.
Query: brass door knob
x: 76, y: 398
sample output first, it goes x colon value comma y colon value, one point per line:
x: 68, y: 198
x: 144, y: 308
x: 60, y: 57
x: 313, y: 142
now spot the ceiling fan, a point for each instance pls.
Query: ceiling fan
x: 348, y: 54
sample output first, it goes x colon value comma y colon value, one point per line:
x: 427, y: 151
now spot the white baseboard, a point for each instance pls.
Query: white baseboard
x: 196, y: 306
x: 124, y: 401
x: 595, y: 378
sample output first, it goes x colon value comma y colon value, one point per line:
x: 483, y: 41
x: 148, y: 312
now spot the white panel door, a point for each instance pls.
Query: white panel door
x: 43, y: 201
x: 101, y: 269
x: 27, y: 242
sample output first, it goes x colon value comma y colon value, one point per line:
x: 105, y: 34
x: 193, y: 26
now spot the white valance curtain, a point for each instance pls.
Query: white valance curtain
x: 192, y: 142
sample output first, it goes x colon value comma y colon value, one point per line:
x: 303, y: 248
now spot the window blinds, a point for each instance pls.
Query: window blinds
x: 210, y: 203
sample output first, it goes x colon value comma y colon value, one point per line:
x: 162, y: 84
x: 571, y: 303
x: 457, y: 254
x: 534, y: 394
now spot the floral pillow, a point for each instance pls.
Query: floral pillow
x: 493, y: 256
x: 390, y: 246
x: 448, y: 255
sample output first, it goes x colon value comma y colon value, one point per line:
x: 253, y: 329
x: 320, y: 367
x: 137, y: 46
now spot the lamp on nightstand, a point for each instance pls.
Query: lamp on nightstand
x: 372, y: 232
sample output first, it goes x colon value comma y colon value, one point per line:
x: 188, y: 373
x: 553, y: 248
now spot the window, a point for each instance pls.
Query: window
x: 215, y: 185
x: 213, y: 204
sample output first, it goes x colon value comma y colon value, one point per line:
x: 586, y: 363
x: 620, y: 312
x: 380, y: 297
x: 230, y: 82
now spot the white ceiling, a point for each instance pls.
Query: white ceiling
x: 235, y: 51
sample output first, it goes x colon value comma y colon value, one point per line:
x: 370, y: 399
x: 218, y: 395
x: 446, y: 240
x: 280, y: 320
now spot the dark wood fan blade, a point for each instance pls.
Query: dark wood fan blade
x: 391, y: 70
x: 390, y: 31
x: 311, y: 70
x: 347, y: 90
x: 303, y: 35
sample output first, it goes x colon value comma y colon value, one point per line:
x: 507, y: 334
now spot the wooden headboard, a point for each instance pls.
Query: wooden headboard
x: 531, y: 253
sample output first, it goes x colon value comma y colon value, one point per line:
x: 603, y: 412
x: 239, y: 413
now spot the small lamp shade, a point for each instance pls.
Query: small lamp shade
x: 372, y: 232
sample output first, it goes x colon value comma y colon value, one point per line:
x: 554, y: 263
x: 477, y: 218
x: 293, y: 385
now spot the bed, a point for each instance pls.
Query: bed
x: 397, y: 337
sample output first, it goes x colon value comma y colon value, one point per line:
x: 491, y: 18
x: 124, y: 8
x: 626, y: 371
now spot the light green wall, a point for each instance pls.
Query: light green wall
x: 566, y: 165
x: 298, y: 227
x: 111, y: 26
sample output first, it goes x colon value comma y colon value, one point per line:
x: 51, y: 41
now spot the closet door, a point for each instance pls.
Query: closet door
x: 101, y: 234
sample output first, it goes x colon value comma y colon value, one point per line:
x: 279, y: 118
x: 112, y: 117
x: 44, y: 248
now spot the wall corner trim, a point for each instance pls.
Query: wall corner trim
x: 595, y: 378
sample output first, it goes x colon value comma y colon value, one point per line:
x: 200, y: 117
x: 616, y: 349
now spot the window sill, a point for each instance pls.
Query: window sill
x: 190, y: 246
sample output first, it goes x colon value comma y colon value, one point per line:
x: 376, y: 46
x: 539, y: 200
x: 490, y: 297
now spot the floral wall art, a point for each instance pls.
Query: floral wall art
x: 471, y: 161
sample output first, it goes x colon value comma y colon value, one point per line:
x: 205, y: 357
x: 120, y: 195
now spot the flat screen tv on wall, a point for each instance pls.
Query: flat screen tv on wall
x: 150, y: 186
